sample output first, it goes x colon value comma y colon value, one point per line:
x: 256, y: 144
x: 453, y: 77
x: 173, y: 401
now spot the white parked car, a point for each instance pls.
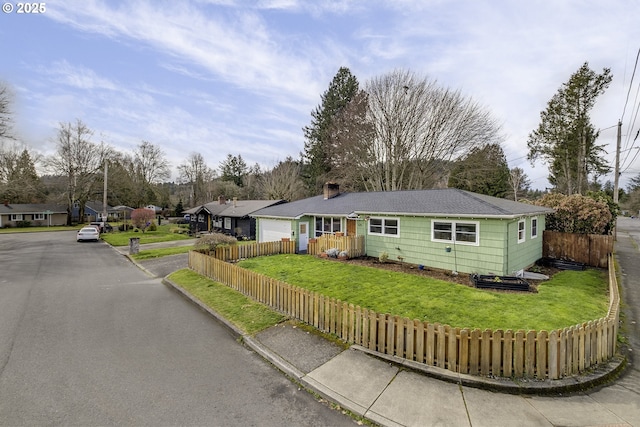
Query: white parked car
x: 88, y: 233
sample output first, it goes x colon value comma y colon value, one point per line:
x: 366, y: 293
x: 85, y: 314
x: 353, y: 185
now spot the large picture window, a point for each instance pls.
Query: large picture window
x: 465, y: 233
x: 16, y: 217
x: 327, y: 225
x: 384, y: 226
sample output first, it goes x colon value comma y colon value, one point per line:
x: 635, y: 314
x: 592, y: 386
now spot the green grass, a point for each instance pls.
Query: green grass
x: 246, y: 314
x: 162, y: 234
x: 157, y: 253
x: 569, y: 298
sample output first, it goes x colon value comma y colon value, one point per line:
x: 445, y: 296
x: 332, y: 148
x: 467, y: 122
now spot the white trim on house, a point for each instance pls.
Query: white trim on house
x: 522, y: 231
x: 457, y: 232
x: 385, y: 226
x: 334, y: 220
x: 534, y: 227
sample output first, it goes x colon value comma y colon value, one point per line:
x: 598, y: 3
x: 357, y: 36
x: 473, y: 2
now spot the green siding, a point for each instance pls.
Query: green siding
x: 498, y: 251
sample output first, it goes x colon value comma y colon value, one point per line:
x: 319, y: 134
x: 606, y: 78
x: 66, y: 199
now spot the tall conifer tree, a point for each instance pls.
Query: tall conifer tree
x: 316, y: 155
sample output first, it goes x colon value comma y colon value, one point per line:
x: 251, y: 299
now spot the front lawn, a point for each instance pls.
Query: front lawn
x: 569, y: 298
x: 163, y: 233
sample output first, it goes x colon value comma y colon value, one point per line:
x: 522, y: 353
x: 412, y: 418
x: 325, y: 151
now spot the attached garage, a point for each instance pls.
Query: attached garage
x: 273, y: 230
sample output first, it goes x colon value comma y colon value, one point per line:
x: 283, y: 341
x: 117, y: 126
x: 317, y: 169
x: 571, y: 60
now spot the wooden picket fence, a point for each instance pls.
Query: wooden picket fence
x: 352, y: 245
x: 236, y: 252
x: 520, y: 354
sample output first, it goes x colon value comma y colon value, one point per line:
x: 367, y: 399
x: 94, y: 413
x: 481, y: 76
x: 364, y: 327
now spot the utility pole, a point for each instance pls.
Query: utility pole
x: 104, y: 194
x: 616, y: 179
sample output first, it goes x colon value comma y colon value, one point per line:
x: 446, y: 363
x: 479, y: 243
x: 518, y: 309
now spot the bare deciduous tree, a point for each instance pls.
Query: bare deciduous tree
x: 5, y: 113
x: 411, y: 130
x: 151, y: 164
x: 195, y: 173
x: 80, y: 161
x: 284, y: 181
x: 519, y: 182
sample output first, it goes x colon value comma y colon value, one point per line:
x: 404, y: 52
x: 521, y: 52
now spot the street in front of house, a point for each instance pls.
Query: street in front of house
x: 87, y: 338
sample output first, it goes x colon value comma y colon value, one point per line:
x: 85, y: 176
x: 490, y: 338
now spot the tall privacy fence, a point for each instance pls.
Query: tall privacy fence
x: 352, y: 245
x: 501, y: 353
x: 589, y: 249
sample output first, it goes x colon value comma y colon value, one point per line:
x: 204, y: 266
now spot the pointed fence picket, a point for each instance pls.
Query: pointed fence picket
x: 531, y: 354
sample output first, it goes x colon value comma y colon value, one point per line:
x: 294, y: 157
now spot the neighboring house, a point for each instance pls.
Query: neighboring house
x: 229, y: 217
x: 122, y: 212
x: 156, y: 209
x: 93, y: 211
x: 41, y: 214
x: 447, y: 229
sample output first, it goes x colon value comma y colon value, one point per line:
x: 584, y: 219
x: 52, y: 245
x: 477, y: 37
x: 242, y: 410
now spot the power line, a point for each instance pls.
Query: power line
x: 630, y: 85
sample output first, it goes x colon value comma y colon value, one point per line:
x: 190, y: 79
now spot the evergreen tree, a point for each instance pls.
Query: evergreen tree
x: 566, y: 139
x: 234, y: 169
x: 484, y: 170
x: 179, y: 208
x: 316, y: 147
x: 21, y: 181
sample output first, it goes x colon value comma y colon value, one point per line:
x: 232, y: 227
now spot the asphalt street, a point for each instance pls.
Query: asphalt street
x: 88, y: 338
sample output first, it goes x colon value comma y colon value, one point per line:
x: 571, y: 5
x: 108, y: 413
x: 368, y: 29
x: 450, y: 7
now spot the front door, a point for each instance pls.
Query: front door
x: 303, y: 236
x: 351, y: 227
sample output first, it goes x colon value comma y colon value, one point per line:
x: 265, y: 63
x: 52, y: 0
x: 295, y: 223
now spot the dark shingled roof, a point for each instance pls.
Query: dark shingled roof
x: 438, y: 202
x: 31, y: 208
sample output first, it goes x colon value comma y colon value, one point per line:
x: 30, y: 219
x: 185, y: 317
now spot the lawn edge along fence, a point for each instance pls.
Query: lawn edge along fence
x: 502, y: 353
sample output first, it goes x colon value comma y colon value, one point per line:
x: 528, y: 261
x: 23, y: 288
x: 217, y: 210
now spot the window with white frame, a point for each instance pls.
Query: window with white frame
x: 534, y: 228
x: 39, y: 217
x: 227, y: 223
x: 327, y: 225
x: 385, y: 226
x: 16, y: 217
x: 460, y: 232
x: 521, y: 230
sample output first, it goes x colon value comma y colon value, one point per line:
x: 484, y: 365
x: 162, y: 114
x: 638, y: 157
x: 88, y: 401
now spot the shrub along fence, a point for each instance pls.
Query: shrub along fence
x: 531, y: 354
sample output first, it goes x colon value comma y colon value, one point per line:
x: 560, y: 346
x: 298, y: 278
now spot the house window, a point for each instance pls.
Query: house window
x: 227, y: 223
x: 384, y: 226
x: 16, y: 217
x: 521, y: 231
x: 534, y: 228
x: 465, y: 233
x: 39, y: 217
x: 327, y: 225
x: 200, y: 217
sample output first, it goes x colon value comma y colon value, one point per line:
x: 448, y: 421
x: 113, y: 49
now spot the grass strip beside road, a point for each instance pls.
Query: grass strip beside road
x: 158, y: 253
x: 162, y: 234
x: 246, y: 314
x: 568, y: 299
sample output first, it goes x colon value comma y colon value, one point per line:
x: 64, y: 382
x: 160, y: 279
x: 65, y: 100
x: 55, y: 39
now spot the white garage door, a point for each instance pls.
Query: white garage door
x: 273, y: 230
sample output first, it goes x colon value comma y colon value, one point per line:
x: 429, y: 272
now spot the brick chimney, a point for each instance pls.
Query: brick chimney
x: 331, y: 190
x: 222, y: 200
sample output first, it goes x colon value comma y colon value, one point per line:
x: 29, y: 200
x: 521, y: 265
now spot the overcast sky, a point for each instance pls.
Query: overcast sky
x: 239, y: 77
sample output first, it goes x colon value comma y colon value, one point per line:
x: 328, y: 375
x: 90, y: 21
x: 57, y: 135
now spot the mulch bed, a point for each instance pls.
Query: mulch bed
x: 460, y: 278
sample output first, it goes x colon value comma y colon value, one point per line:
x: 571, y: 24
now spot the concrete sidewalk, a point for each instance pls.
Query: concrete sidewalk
x: 391, y: 393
